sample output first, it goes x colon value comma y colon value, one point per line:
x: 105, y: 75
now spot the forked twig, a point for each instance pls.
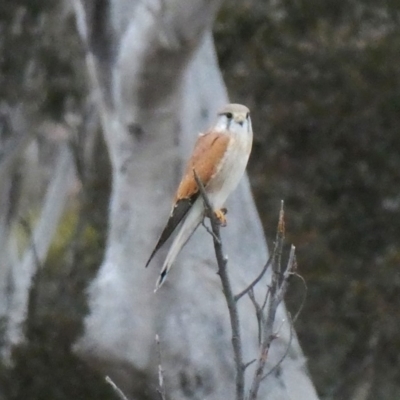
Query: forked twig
x: 210, y: 231
x: 249, y: 363
x: 254, y: 283
x: 266, y: 313
x: 259, y: 314
x: 284, y: 354
x: 274, y: 296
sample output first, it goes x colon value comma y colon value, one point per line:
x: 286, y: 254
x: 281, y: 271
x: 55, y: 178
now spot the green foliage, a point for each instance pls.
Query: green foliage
x: 322, y: 78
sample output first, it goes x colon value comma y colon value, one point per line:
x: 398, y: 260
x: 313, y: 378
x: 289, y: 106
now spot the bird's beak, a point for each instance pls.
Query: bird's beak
x: 240, y: 118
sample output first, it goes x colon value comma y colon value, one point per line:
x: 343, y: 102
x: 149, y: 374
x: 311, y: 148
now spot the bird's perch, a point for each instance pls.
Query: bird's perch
x: 274, y: 296
x: 227, y: 289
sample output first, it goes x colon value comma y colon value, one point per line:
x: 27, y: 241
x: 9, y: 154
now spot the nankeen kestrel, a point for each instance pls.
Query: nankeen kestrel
x: 219, y: 158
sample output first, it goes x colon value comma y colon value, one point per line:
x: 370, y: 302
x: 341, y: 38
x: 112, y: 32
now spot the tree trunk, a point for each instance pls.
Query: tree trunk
x: 157, y: 84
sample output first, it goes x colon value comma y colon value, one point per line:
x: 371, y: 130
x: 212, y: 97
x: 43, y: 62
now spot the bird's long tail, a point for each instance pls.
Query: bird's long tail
x: 188, y: 227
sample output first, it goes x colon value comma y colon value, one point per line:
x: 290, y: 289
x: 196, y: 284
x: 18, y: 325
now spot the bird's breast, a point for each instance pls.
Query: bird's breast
x: 230, y: 171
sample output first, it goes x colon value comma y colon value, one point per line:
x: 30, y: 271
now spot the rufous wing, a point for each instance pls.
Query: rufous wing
x: 208, y: 152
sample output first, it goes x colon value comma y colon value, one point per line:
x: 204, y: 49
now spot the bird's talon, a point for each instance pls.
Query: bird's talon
x: 220, y: 214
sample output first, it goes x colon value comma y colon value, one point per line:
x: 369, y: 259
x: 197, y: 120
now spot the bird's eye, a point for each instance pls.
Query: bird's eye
x: 229, y: 115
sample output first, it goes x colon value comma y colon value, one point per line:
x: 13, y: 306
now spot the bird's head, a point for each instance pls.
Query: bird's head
x: 234, y: 118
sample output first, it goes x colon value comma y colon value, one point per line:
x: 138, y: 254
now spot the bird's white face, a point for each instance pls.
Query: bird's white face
x: 235, y: 120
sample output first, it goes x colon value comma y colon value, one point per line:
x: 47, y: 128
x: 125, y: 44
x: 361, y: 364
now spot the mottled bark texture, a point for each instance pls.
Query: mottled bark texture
x: 156, y: 80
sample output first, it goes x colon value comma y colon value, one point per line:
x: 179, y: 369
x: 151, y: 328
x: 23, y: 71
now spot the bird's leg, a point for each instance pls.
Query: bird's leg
x: 220, y: 214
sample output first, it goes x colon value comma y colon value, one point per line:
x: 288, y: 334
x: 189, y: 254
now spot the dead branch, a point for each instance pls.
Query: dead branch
x: 259, y: 314
x: 254, y: 283
x: 303, y: 299
x: 116, y: 389
x: 227, y: 290
x: 275, y: 295
x: 161, y: 387
x: 284, y: 354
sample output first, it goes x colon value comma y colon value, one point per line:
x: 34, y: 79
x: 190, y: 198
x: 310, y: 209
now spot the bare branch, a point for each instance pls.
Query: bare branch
x: 227, y: 290
x: 259, y: 314
x: 280, y: 237
x: 259, y: 369
x: 303, y: 300
x: 266, y: 298
x: 254, y: 283
x: 291, y: 265
x: 276, y: 292
x: 284, y: 354
x: 116, y: 389
x: 161, y: 388
x: 245, y: 366
x: 210, y: 231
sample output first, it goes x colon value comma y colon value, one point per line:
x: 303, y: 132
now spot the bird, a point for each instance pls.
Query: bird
x: 219, y: 159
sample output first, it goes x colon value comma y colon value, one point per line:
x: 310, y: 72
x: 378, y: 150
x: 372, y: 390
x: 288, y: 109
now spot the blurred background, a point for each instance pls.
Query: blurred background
x: 321, y: 79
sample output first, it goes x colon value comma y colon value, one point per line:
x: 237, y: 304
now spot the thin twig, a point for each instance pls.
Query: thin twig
x: 291, y: 265
x: 116, y: 389
x: 247, y: 365
x: 279, y: 329
x: 227, y: 290
x: 276, y: 292
x: 276, y: 255
x: 266, y: 298
x: 280, y: 237
x: 161, y: 388
x: 284, y: 354
x: 259, y: 313
x: 303, y: 300
x: 210, y: 231
x: 254, y: 283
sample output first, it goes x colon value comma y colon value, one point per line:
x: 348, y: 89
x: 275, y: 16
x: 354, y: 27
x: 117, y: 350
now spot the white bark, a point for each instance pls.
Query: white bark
x: 5, y: 266
x: 11, y: 151
x: 36, y: 252
x: 166, y: 87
